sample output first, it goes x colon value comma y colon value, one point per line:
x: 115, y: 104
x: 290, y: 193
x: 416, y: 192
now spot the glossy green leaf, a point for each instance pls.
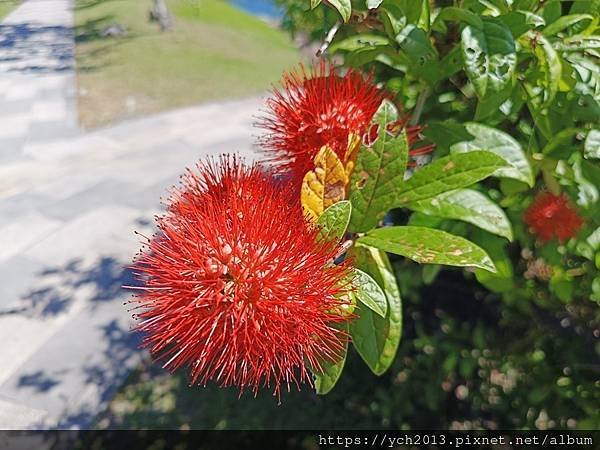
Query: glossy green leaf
x: 334, y: 221
x: 452, y: 13
x: 372, y: 4
x: 376, y: 338
x: 561, y: 143
x: 565, y: 22
x: 448, y: 173
x: 519, y: 22
x: 543, y: 78
x: 500, y: 143
x: 591, y: 146
x: 369, y: 293
x: 469, y: 206
x: 577, y: 43
x: 502, y: 280
x: 378, y: 173
x: 489, y: 55
x: 428, y: 246
x: 358, y: 42
x: 327, y: 378
x: 344, y: 7
x: 414, y: 42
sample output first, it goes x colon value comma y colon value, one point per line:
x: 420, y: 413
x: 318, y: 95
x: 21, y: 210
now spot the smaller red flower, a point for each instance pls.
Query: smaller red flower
x: 321, y: 108
x: 235, y: 285
x: 552, y: 216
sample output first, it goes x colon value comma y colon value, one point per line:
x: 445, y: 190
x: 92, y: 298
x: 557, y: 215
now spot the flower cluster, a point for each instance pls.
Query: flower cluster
x: 320, y: 108
x: 236, y: 284
x: 552, y: 216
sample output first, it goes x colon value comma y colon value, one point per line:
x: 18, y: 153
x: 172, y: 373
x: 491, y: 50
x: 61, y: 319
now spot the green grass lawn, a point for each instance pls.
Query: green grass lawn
x: 6, y: 6
x: 214, y: 51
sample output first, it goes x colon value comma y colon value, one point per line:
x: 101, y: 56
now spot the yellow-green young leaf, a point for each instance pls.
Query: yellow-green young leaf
x: 500, y: 143
x: 330, y: 372
x: 378, y: 173
x: 314, y: 3
x: 469, y: 206
x: 591, y: 146
x: 334, y: 221
x: 428, y: 246
x: 369, y: 293
x: 448, y: 173
x: 489, y: 55
x: 376, y: 338
x: 344, y: 7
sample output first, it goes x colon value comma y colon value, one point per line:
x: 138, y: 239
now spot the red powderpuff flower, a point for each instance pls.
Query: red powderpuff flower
x: 235, y: 285
x: 318, y: 108
x: 552, y: 216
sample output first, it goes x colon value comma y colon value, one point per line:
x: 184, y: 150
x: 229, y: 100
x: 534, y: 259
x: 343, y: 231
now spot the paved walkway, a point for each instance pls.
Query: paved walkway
x: 37, y: 78
x: 67, y: 218
x: 69, y: 204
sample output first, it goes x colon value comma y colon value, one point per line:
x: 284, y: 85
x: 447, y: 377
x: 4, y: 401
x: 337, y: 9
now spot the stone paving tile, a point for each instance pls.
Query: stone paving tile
x: 19, y: 417
x: 72, y: 388
x: 24, y: 232
x: 20, y: 205
x: 105, y: 192
x: 18, y: 273
x: 37, y: 77
x: 93, y: 232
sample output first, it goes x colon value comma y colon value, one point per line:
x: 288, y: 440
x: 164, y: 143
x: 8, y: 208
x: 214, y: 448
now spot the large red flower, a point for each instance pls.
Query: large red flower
x: 318, y: 108
x: 552, y: 216
x: 314, y: 109
x: 235, y: 285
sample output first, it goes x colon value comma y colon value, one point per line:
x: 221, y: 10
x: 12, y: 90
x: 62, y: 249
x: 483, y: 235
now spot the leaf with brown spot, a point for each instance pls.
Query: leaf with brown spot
x: 324, y: 185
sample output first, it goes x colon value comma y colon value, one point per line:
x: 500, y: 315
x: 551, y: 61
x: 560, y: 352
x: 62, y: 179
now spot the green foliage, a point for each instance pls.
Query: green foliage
x: 510, y: 94
x: 428, y: 246
x: 334, y: 221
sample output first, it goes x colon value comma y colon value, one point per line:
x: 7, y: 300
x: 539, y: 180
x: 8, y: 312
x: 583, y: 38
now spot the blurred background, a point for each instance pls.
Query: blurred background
x: 102, y: 105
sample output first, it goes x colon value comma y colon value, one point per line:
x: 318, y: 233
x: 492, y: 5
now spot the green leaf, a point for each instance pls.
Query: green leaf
x: 344, y: 7
x: 448, y: 173
x: 489, y: 55
x: 520, y: 22
x: 372, y: 4
x: 500, y: 143
x: 452, y: 13
x: 502, y: 280
x: 469, y: 206
x: 414, y: 42
x: 378, y: 173
x: 577, y: 43
x: 369, y: 293
x: 331, y: 372
x: 565, y: 22
x: 428, y: 246
x: 358, y: 42
x: 334, y: 221
x: 561, y: 143
x: 376, y: 338
x: 314, y: 3
x: 591, y: 146
x: 544, y: 77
